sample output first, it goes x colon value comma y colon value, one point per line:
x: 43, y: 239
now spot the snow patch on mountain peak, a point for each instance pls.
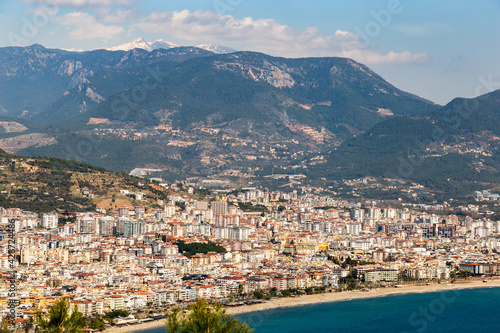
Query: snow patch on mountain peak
x: 141, y: 43
x: 216, y: 48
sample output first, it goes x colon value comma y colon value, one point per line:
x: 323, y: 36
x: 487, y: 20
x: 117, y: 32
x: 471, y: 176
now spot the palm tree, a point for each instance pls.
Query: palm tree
x: 204, y: 318
x: 59, y: 319
x: 28, y: 324
x: 5, y: 324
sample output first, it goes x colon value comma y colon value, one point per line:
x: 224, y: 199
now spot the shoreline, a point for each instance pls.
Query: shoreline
x: 326, y: 298
x: 354, y: 295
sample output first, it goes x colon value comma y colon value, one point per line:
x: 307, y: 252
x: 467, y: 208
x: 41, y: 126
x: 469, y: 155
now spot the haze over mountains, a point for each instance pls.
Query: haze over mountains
x: 203, y: 111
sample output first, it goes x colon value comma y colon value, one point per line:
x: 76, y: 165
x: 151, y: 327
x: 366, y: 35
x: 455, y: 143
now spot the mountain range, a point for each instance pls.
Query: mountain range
x: 454, y: 149
x: 207, y: 111
x: 32, y: 78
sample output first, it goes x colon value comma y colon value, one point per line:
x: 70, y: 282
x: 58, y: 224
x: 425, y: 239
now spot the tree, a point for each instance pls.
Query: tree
x: 59, y: 319
x: 190, y: 249
x: 117, y: 313
x: 204, y: 318
x: 241, y: 290
x: 390, y: 258
x: 258, y: 295
x: 28, y: 324
x: 5, y: 324
x: 97, y: 323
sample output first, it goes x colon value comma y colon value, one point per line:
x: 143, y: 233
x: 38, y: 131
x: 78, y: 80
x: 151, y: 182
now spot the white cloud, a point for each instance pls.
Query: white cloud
x: 374, y: 58
x: 104, y: 15
x: 267, y: 35
x: 85, y: 26
x: 83, y: 3
x: 419, y: 30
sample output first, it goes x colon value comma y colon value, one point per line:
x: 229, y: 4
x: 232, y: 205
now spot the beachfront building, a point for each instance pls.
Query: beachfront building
x: 377, y: 275
x: 473, y: 267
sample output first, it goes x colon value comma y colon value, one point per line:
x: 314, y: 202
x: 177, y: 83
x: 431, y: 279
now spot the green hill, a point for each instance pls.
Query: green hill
x: 44, y: 184
x: 454, y: 149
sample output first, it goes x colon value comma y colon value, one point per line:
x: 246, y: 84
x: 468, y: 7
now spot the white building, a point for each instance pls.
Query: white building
x: 353, y: 228
x: 49, y: 220
x: 482, y: 231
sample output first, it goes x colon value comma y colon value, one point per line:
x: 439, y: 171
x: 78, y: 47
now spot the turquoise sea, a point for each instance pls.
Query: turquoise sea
x: 468, y: 310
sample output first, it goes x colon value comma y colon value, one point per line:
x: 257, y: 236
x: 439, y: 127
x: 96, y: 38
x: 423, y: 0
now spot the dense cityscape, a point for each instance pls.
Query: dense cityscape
x: 231, y: 166
x: 244, y: 247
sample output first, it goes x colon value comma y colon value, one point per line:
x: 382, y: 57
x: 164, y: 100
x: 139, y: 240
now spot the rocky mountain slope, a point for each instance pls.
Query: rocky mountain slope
x: 34, y: 77
x: 245, y: 89
x: 188, y: 111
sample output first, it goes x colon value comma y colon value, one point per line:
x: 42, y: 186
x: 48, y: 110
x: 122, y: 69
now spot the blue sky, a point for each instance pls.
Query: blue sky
x: 435, y: 49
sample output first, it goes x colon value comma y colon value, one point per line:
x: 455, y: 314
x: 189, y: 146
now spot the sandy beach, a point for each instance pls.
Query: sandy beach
x: 351, y: 295
x: 137, y: 327
x: 329, y: 297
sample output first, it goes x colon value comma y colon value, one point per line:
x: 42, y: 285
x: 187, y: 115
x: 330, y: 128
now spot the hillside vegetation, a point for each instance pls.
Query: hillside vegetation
x: 454, y: 150
x: 45, y: 184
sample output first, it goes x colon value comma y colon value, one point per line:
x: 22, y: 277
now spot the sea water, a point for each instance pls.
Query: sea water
x: 465, y: 310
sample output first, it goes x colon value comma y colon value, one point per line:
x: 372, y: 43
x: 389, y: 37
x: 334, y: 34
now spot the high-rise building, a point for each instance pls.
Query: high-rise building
x: 140, y: 212
x: 177, y: 229
x: 374, y: 213
x: 357, y: 214
x: 219, y: 207
x: 49, y: 220
x: 106, y: 225
x: 123, y: 211
x: 233, y: 233
x: 131, y: 228
x: 353, y: 228
x: 390, y: 213
x: 169, y: 210
x: 86, y: 225
x: 482, y: 231
x: 239, y: 233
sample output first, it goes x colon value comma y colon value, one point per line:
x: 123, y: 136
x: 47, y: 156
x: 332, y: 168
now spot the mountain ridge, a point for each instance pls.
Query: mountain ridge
x: 332, y: 87
x: 226, y: 110
x: 141, y: 43
x: 210, y: 114
x: 455, y: 147
x: 46, y: 74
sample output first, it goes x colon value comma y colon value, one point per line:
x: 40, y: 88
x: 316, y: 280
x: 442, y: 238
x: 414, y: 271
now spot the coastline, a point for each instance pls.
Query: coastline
x: 353, y: 295
x: 326, y: 298
x: 137, y: 327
